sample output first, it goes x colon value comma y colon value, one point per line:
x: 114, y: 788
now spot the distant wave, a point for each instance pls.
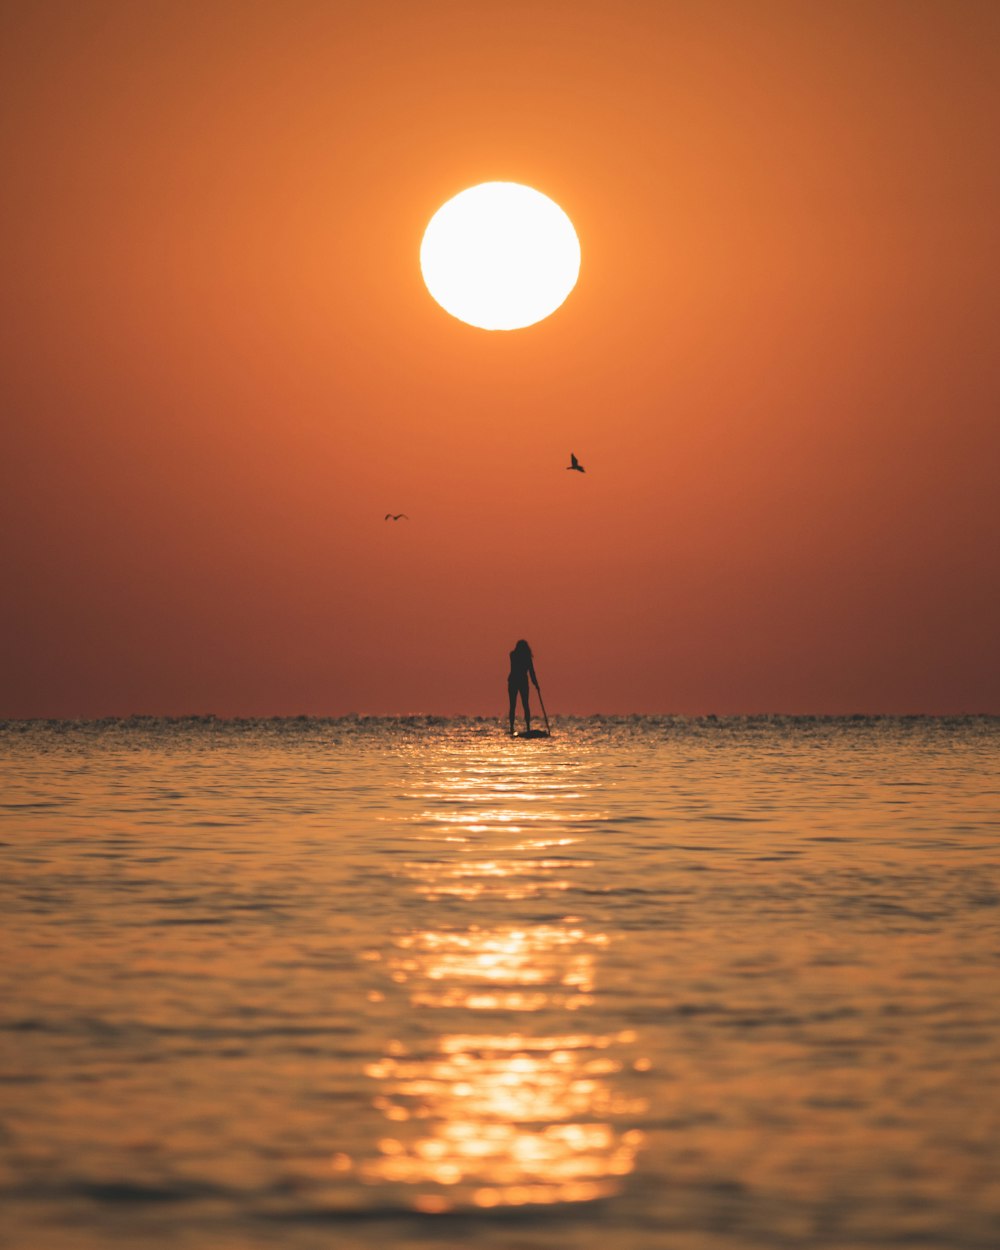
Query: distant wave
x: 207, y: 730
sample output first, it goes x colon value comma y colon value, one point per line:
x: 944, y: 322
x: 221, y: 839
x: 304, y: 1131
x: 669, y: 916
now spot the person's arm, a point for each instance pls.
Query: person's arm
x: 531, y: 674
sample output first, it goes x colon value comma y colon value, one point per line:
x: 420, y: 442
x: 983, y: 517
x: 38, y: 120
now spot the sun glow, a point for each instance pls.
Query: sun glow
x: 500, y: 256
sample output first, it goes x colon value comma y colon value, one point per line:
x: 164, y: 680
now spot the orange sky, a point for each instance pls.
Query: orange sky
x: 220, y: 366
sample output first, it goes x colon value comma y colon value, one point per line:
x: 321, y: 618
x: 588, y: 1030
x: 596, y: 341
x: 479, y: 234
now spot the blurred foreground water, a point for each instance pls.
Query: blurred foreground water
x: 361, y: 984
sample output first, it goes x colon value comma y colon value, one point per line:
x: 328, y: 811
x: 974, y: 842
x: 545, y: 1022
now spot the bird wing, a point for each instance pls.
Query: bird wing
x: 573, y: 460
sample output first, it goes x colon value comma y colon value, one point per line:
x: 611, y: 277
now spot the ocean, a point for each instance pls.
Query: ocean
x: 399, y: 984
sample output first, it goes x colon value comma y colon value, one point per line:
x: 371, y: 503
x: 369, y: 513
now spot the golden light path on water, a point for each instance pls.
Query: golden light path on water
x: 509, y: 1098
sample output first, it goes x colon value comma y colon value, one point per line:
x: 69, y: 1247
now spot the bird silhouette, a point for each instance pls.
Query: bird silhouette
x: 396, y: 516
x: 575, y: 464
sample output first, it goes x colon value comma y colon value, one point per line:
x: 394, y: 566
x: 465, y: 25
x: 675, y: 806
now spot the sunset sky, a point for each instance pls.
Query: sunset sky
x: 221, y: 367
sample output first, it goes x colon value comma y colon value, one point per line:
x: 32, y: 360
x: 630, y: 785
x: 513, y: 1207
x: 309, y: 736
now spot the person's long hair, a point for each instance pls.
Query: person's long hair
x: 522, y: 649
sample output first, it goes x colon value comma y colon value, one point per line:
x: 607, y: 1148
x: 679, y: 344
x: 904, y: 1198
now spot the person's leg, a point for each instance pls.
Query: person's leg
x: 512, y: 696
x: 527, y: 709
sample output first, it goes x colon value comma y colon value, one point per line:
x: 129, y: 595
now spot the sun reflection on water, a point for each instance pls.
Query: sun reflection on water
x: 486, y: 1111
x: 505, y: 1120
x: 516, y: 969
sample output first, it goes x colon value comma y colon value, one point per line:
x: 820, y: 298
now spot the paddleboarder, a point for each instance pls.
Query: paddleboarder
x: 521, y: 668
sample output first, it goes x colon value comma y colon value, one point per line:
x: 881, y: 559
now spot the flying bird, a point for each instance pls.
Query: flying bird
x: 396, y: 516
x: 575, y: 464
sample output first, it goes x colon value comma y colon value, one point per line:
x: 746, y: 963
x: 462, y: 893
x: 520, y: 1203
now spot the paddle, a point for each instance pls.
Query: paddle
x: 544, y: 713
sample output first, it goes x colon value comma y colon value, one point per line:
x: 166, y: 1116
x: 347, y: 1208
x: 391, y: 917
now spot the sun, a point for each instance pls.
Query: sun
x: 500, y: 256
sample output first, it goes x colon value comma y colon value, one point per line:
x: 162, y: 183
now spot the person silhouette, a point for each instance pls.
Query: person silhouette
x: 521, y: 668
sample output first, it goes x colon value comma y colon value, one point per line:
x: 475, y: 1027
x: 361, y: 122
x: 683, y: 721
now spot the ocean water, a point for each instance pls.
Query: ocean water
x: 660, y: 984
